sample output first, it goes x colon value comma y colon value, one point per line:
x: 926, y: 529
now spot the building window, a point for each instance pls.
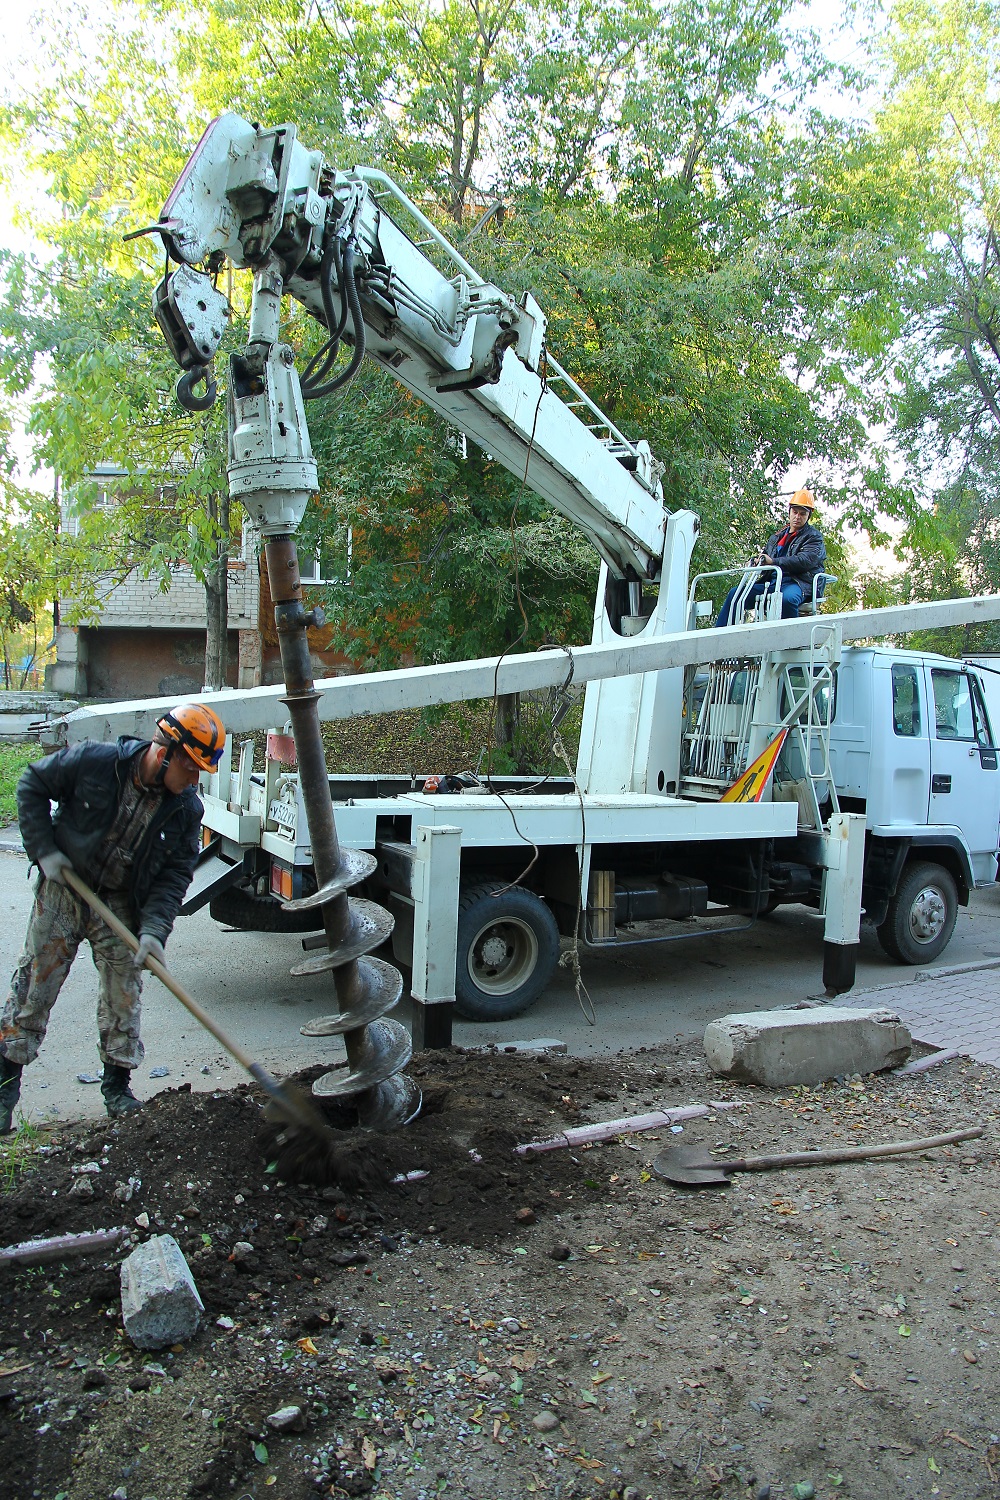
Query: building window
x: 331, y: 562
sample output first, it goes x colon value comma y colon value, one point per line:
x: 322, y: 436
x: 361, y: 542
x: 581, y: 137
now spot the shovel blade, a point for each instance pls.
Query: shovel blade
x: 690, y: 1166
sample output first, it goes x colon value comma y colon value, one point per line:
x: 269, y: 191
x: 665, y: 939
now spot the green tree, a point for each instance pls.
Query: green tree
x: 941, y: 131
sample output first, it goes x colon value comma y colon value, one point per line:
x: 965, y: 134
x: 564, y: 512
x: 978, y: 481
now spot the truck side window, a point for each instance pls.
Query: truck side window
x: 905, y: 702
x: 952, y: 705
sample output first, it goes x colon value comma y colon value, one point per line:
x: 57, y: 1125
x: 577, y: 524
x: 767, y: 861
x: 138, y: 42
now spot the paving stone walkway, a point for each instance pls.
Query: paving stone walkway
x: 957, y: 1007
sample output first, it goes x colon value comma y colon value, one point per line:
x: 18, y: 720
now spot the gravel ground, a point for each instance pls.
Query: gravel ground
x: 566, y: 1325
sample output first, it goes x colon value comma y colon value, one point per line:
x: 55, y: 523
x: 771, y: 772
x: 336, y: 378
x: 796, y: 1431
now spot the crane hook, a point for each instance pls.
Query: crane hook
x: 185, y: 389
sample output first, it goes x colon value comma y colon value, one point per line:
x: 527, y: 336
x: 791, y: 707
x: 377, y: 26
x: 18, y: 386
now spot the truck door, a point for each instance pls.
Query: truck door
x: 965, y: 782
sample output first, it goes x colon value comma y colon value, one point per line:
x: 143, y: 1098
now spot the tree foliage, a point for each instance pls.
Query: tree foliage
x: 749, y: 284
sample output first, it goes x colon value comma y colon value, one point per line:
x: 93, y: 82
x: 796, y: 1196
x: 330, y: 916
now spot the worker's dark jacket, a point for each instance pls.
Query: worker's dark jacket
x: 86, y: 782
x: 803, y: 558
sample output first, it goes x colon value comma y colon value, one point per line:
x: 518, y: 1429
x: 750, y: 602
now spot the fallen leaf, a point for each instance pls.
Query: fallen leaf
x: 932, y: 1464
x: 369, y: 1453
x: 587, y: 1463
x: 524, y: 1359
x: 859, y: 1382
x: 497, y: 1424
x: 956, y: 1439
x: 600, y: 1379
x: 307, y: 1346
x: 904, y: 1331
x: 260, y: 1453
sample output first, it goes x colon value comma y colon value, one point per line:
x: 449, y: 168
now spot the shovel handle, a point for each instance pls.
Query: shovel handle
x: 161, y: 972
x: 847, y: 1153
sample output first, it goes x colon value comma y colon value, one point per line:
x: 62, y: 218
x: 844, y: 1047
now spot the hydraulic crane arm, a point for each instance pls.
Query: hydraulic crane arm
x: 260, y: 199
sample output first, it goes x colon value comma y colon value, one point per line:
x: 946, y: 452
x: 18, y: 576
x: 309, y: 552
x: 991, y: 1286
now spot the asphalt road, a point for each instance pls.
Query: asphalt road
x: 639, y: 996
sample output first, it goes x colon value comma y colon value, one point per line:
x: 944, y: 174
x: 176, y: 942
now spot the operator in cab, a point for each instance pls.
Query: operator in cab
x: 798, y: 550
x: 126, y: 818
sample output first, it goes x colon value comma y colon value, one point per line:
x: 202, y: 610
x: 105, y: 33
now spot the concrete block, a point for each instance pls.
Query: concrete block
x: 160, y: 1302
x: 776, y: 1048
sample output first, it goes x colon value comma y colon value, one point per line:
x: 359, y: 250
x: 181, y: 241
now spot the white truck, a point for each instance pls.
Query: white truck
x: 884, y: 798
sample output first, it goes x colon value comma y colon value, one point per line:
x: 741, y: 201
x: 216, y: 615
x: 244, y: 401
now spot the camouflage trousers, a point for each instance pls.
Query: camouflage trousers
x: 58, y: 924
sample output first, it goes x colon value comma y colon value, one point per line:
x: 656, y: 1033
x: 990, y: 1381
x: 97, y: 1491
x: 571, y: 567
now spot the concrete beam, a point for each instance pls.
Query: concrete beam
x: 456, y: 682
x: 779, y: 1048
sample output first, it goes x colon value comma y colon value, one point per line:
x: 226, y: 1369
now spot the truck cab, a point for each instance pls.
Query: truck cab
x: 912, y: 747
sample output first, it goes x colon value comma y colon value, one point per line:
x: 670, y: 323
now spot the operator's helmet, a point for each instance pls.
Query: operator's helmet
x: 805, y: 498
x: 196, y: 729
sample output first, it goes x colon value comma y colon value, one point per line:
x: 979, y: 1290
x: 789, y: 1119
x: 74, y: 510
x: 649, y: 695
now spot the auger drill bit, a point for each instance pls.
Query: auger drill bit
x: 366, y: 987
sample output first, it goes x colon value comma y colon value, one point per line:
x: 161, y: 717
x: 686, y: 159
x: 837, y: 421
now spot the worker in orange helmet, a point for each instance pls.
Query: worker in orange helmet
x: 798, y: 550
x: 126, y: 819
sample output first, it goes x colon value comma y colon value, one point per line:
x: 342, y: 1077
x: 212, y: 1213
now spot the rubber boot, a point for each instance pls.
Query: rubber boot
x: 118, y: 1097
x: 10, y: 1092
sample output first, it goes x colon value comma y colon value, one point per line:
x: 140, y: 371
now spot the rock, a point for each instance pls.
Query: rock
x: 225, y: 1323
x: 778, y: 1048
x: 546, y: 1421
x: 525, y: 1216
x: 560, y: 1252
x: 242, y: 1251
x: 142, y: 1220
x: 319, y: 1224
x: 82, y: 1188
x: 87, y: 1168
x: 140, y: 1381
x: 160, y: 1302
x: 969, y: 1357
x: 510, y: 1325
x: 288, y: 1419
x: 95, y: 1379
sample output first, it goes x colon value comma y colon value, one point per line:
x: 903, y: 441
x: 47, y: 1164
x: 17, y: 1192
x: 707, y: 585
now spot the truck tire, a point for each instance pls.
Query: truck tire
x: 921, y: 916
x: 508, y: 948
x: 239, y: 906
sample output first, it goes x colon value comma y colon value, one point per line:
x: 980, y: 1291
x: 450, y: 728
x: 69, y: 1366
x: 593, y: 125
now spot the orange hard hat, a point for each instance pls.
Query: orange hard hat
x: 804, y: 499
x: 198, y: 730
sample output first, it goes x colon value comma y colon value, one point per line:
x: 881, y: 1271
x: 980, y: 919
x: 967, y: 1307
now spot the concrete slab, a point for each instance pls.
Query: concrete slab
x: 780, y: 1048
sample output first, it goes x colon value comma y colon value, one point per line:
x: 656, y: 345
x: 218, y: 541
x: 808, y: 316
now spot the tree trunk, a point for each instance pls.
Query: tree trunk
x: 507, y: 721
x: 217, y: 598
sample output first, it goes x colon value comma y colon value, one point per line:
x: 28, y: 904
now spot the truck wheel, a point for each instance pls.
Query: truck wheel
x: 238, y: 906
x: 921, y: 916
x: 508, y: 948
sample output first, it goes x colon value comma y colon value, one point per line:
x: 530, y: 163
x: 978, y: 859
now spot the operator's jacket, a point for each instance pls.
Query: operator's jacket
x: 86, y: 781
x: 803, y: 557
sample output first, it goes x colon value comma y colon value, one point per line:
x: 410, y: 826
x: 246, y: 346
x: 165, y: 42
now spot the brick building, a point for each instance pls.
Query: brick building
x: 145, y: 643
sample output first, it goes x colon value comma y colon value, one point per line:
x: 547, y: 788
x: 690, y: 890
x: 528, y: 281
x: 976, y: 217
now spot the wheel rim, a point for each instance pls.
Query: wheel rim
x: 928, y: 915
x: 502, y: 956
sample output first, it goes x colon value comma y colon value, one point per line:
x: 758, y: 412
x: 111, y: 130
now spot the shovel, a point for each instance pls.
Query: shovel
x: 691, y: 1166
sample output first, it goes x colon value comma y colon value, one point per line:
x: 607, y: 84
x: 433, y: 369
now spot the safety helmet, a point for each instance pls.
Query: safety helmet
x: 803, y: 498
x: 196, y: 729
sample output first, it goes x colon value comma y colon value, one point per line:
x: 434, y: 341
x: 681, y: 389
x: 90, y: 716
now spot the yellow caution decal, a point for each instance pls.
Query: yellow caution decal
x: 750, y: 786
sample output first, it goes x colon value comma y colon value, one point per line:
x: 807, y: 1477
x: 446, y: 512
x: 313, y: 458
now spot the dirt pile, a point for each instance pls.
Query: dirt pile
x: 565, y: 1325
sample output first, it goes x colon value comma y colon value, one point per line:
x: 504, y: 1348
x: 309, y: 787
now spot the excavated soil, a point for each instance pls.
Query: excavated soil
x: 566, y: 1325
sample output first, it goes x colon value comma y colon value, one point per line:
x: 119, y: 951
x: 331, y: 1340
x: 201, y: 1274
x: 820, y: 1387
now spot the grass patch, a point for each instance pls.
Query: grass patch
x: 13, y: 759
x: 16, y: 1151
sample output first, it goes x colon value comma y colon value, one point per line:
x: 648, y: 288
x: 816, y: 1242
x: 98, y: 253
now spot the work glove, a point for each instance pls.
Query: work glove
x: 52, y: 865
x: 149, y: 947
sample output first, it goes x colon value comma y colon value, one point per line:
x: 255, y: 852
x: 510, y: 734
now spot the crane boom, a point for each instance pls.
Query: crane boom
x: 475, y: 355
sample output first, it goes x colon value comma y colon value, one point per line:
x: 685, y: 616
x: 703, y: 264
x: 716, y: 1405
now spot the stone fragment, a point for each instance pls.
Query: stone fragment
x: 525, y: 1215
x: 242, y: 1251
x: 546, y: 1421
x: 82, y: 1188
x: 778, y: 1048
x: 160, y: 1302
x: 287, y: 1419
